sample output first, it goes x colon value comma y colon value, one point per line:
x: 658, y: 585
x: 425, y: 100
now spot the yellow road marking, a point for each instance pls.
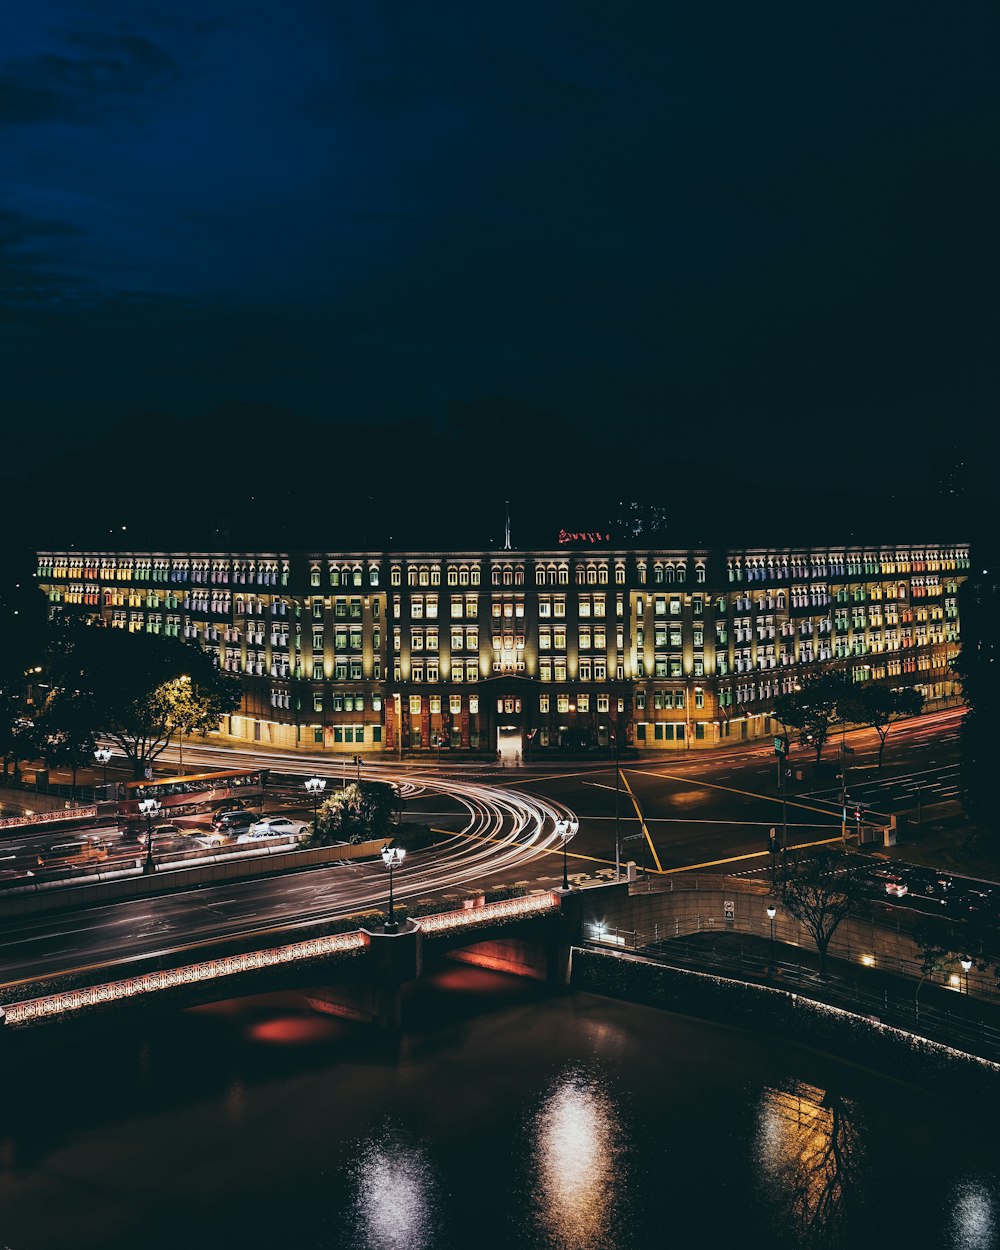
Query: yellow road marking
x: 750, y: 794
x: 713, y: 863
x: 638, y: 812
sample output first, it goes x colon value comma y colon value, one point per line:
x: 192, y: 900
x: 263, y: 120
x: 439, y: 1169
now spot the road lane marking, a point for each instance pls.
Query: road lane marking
x: 750, y: 794
x: 638, y: 812
x: 732, y: 859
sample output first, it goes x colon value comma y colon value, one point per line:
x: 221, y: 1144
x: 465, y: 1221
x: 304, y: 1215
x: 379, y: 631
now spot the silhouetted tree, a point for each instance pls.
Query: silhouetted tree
x: 813, y: 709
x: 820, y: 889
x: 879, y: 707
x: 131, y: 683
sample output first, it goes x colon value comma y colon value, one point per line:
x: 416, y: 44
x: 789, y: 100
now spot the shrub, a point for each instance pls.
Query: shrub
x: 498, y: 893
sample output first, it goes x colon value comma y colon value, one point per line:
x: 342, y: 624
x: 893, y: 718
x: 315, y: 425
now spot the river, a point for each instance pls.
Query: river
x: 506, y: 1115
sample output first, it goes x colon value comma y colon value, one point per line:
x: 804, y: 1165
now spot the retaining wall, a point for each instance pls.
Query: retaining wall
x: 130, y: 883
x: 861, y: 1039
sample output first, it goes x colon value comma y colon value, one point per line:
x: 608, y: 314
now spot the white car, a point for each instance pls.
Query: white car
x: 274, y: 827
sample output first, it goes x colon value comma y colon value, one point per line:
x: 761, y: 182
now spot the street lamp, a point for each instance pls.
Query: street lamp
x: 772, y: 911
x: 149, y: 807
x: 392, y: 857
x: 315, y: 786
x: 966, y: 963
x: 566, y: 829
x: 102, y: 755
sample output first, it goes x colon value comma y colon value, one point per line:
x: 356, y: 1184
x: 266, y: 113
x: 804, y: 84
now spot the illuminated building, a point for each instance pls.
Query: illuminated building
x: 673, y: 650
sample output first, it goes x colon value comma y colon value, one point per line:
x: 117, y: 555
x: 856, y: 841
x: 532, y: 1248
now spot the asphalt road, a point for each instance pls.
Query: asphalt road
x: 711, y: 812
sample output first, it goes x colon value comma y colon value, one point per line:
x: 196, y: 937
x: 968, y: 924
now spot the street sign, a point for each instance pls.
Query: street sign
x: 729, y: 911
x: 780, y: 746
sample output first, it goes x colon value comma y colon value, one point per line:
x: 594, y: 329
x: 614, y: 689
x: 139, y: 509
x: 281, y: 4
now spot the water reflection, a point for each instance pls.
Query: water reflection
x: 809, y: 1153
x: 973, y: 1217
x: 577, y: 1146
x: 394, y: 1201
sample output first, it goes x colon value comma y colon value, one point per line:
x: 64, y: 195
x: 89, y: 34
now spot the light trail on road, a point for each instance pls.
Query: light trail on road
x: 500, y: 833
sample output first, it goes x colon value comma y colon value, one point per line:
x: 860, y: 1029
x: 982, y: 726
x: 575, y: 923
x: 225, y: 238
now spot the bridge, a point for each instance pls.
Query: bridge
x: 358, y: 974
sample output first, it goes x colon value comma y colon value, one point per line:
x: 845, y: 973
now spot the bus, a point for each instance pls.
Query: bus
x: 193, y: 795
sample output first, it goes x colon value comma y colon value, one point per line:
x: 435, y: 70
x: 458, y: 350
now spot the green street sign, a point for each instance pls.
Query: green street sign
x: 779, y: 746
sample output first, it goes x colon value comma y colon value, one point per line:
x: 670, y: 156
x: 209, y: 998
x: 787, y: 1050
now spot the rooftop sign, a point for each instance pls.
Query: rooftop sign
x: 594, y: 537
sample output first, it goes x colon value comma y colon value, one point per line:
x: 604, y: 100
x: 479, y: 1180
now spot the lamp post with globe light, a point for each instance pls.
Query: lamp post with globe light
x: 772, y: 911
x: 566, y: 828
x: 149, y: 807
x: 392, y: 857
x: 315, y: 786
x: 103, y: 755
x: 966, y: 963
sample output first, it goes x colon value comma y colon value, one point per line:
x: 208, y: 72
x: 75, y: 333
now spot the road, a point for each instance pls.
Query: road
x: 700, y: 811
x: 502, y: 835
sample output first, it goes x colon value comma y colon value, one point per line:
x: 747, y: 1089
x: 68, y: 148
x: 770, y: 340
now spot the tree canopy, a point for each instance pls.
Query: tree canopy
x: 140, y: 688
x: 356, y: 813
x: 879, y: 707
x: 812, y: 709
x: 820, y: 889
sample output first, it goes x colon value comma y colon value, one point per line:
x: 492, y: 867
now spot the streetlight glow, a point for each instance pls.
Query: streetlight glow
x: 149, y: 807
x: 566, y: 828
x: 315, y: 786
x: 392, y: 857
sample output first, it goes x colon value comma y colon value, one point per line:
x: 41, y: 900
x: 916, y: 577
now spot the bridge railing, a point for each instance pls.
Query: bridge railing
x: 66, y: 1002
x: 963, y: 1026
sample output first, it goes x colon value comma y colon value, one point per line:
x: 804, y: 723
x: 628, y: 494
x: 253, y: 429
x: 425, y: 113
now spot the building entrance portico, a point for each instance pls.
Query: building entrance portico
x: 506, y: 703
x: 510, y: 745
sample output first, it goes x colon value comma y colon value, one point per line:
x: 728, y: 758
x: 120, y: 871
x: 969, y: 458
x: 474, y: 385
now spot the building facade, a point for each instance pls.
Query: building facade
x: 524, y: 652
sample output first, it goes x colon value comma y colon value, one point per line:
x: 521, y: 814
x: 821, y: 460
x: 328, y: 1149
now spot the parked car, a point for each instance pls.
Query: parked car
x: 212, y: 837
x: 180, y: 844
x: 228, y: 805
x: 274, y: 827
x: 235, y: 821
x: 159, y: 831
x: 79, y: 853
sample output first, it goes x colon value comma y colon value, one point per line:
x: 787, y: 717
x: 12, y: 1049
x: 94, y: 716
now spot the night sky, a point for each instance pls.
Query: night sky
x: 759, y: 234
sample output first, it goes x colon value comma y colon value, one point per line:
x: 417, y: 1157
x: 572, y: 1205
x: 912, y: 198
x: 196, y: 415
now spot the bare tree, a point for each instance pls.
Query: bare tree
x: 820, y: 889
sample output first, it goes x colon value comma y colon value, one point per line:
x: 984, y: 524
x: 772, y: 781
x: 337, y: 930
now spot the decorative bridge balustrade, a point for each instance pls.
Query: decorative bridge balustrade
x: 67, y: 1002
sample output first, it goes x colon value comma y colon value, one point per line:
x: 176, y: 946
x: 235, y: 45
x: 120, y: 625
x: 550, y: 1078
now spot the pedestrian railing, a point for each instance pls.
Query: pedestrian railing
x: 963, y: 1026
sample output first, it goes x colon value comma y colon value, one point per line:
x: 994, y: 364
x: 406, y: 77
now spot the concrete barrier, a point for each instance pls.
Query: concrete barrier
x: 122, y: 884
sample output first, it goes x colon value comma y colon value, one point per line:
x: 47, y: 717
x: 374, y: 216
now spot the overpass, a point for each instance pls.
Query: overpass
x: 357, y: 974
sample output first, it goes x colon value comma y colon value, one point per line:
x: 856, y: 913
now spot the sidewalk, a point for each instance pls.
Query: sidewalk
x: 942, y: 1013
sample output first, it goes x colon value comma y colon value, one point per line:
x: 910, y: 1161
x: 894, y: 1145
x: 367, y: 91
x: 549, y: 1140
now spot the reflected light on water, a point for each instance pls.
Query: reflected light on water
x: 972, y: 1216
x: 394, y: 1197
x: 577, y: 1143
x: 808, y: 1152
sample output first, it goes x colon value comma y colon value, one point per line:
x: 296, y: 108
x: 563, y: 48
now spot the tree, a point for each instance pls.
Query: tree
x: 820, y: 889
x: 880, y: 707
x: 65, y: 730
x: 355, y: 814
x: 813, y: 709
x: 196, y: 707
x: 978, y: 668
x: 132, y: 684
x: 12, y: 713
x: 937, y: 951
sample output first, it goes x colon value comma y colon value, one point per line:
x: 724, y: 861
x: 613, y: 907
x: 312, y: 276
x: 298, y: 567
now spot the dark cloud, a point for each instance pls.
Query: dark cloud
x: 747, y: 233
x: 30, y: 271
x: 107, y: 76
